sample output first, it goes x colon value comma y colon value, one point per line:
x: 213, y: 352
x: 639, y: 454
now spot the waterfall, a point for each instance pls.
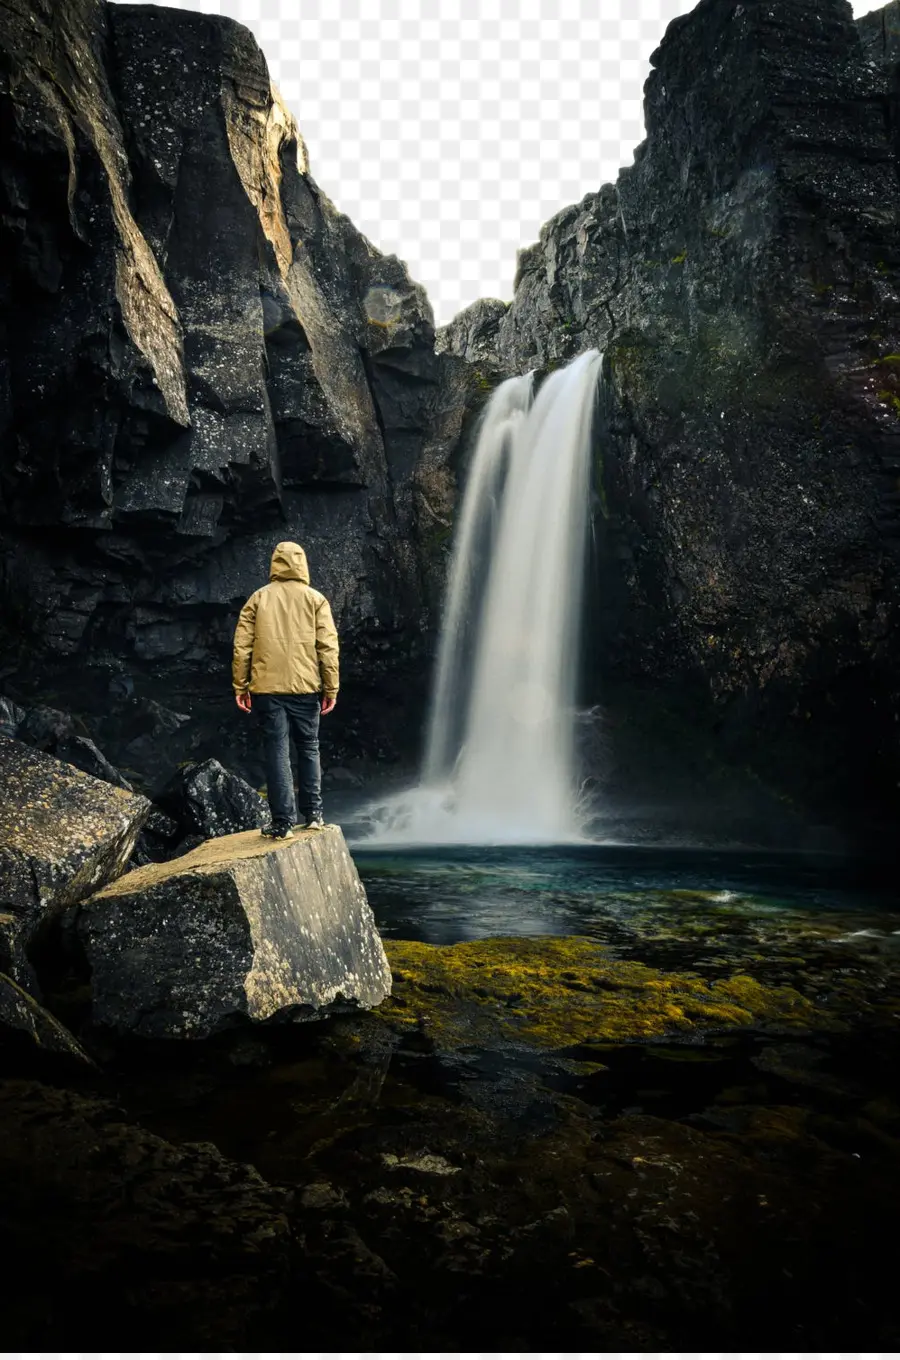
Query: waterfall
x: 499, y: 765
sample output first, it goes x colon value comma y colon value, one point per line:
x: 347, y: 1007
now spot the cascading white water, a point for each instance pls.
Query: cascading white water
x: 499, y: 763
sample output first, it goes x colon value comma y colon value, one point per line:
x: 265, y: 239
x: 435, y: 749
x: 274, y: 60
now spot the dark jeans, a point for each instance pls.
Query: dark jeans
x: 284, y: 716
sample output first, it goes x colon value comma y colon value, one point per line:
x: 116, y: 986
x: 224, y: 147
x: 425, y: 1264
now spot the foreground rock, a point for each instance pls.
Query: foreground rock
x: 133, y: 1232
x: 31, y: 1039
x: 242, y: 926
x: 63, y: 834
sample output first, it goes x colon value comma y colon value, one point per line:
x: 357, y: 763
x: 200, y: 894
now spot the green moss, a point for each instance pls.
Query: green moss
x: 481, y: 382
x: 887, y: 359
x: 679, y: 259
x: 553, y: 993
x: 890, y: 399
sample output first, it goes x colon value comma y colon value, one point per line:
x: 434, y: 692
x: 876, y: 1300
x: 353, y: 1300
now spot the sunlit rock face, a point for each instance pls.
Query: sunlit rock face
x: 199, y: 356
x: 742, y: 280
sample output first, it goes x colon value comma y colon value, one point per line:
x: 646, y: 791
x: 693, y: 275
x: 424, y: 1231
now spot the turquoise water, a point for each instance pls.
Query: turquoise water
x: 446, y: 895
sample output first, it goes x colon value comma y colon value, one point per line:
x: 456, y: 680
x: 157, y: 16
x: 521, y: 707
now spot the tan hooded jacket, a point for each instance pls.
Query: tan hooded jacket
x: 285, y: 641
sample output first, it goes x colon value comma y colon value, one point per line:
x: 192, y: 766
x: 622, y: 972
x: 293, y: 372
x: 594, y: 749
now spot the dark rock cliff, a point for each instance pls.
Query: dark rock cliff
x: 199, y: 355
x: 743, y: 279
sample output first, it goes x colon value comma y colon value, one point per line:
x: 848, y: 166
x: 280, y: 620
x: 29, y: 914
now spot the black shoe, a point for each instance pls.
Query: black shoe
x: 314, y: 821
x: 279, y: 831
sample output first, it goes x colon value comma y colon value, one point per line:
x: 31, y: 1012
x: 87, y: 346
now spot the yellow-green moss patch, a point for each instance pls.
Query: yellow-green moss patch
x: 553, y: 993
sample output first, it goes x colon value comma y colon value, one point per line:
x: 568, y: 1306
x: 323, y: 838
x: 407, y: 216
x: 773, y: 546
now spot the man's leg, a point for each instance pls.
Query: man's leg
x: 304, y: 710
x: 276, y: 740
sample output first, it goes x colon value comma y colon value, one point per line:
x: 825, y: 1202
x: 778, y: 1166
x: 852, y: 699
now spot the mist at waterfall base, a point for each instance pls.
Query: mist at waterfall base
x: 500, y: 762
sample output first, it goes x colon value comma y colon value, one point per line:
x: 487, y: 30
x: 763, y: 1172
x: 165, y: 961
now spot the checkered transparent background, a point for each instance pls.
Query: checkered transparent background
x: 448, y: 131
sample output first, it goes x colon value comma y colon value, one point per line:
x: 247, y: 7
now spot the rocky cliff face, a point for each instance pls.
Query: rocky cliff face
x: 199, y: 355
x: 743, y: 279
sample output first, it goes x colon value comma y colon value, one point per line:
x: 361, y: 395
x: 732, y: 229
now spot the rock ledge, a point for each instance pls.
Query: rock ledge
x: 243, y: 926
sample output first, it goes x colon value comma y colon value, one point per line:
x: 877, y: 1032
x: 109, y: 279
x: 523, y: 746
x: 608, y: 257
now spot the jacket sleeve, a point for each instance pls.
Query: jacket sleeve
x: 244, y: 636
x: 327, y: 647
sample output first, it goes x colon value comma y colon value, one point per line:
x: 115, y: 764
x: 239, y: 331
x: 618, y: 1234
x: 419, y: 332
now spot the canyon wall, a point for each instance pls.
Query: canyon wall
x: 199, y: 356
x: 743, y: 279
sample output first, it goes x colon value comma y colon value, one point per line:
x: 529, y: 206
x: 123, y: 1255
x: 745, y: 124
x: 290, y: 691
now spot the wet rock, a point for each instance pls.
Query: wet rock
x: 157, y: 841
x: 61, y: 735
x: 85, y: 755
x: 242, y: 927
x: 11, y: 717
x: 323, y: 1197
x: 207, y: 800
x: 46, y: 727
x: 428, y: 1162
x: 14, y: 961
x: 803, y: 1066
x: 31, y: 1039
x: 195, y: 1248
x: 62, y: 833
x: 151, y: 737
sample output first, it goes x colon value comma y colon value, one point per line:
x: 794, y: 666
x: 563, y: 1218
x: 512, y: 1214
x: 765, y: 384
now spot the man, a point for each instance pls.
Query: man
x: 286, y: 657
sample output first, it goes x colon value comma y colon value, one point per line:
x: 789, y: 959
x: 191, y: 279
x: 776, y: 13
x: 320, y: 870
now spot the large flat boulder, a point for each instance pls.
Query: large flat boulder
x: 241, y: 926
x: 63, y: 834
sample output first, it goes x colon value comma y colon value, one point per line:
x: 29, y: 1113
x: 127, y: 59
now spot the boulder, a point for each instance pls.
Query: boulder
x: 14, y: 960
x: 242, y: 926
x: 157, y: 841
x: 63, y: 833
x: 207, y: 800
x: 56, y: 732
x: 31, y: 1037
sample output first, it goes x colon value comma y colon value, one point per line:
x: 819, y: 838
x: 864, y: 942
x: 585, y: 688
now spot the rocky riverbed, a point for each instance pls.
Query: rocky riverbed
x: 683, y: 1132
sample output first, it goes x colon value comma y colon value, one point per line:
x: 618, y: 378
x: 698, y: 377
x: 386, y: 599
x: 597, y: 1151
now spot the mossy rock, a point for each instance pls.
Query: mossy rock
x: 553, y: 993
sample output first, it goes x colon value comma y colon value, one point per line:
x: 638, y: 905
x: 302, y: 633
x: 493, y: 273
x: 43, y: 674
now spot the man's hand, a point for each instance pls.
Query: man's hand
x: 243, y: 701
x: 328, y: 702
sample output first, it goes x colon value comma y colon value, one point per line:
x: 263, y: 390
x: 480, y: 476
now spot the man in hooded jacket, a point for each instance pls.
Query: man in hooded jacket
x: 286, y: 657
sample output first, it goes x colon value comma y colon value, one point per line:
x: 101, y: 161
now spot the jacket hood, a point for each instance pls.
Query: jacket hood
x: 289, y: 564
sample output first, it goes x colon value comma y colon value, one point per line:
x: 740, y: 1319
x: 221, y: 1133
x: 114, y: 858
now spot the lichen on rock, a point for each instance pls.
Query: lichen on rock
x: 63, y: 833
